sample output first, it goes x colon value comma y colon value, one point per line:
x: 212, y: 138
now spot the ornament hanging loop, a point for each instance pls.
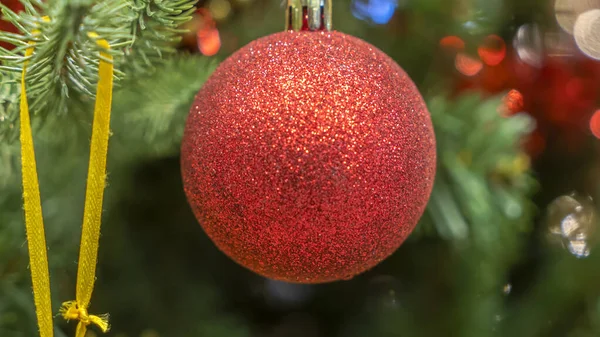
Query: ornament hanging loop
x: 308, y: 15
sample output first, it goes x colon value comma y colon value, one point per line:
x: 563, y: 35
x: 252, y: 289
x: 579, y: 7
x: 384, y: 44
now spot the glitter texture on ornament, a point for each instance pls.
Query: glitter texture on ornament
x: 308, y: 157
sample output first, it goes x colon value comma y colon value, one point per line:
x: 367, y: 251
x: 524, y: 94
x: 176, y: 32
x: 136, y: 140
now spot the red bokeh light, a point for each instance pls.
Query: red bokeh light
x: 492, y: 50
x: 452, y: 43
x: 208, y: 37
x: 535, y: 144
x: 468, y: 65
x: 209, y: 41
x: 16, y: 6
x: 513, y: 102
x: 595, y: 124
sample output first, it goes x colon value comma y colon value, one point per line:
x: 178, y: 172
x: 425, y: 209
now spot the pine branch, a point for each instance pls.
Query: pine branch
x: 155, y: 30
x: 9, y: 104
x: 148, y: 119
x: 65, y: 59
x: 480, y: 203
x: 482, y: 172
x: 150, y: 112
x: 64, y: 66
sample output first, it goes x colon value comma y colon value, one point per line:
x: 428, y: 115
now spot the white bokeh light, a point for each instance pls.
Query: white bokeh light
x: 587, y: 33
x: 567, y: 11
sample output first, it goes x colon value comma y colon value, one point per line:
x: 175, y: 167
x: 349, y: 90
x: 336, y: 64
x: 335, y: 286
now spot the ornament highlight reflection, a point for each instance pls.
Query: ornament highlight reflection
x: 309, y: 15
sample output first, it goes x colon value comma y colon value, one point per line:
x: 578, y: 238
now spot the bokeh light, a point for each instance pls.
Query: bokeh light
x: 16, y: 6
x: 243, y: 2
x: 568, y: 11
x: 535, y: 144
x: 572, y: 222
x: 595, y: 124
x: 376, y: 11
x: 219, y: 9
x: 209, y: 41
x: 467, y: 65
x: 513, y: 102
x: 492, y: 50
x: 528, y: 45
x: 452, y: 43
x: 207, y: 34
x: 587, y: 33
x: 507, y: 289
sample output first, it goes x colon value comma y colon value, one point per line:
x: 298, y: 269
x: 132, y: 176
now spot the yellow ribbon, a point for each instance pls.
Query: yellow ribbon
x: 34, y: 223
x: 94, y: 194
x: 92, y: 212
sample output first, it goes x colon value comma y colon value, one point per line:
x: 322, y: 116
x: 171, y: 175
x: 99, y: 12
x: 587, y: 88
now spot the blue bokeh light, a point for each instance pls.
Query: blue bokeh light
x: 376, y: 11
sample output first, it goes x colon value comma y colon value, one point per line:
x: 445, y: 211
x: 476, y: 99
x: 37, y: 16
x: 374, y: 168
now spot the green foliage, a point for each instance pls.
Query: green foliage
x: 480, y: 202
x: 147, y: 123
x: 151, y: 117
x: 155, y: 31
x: 482, y: 187
x: 9, y: 105
x: 62, y: 73
x: 62, y: 192
x: 61, y: 85
x: 564, y: 296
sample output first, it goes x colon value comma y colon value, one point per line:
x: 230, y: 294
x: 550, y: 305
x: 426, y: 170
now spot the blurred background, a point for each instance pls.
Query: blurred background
x: 508, y: 245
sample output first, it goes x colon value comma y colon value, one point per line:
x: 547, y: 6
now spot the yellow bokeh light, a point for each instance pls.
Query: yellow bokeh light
x: 219, y: 9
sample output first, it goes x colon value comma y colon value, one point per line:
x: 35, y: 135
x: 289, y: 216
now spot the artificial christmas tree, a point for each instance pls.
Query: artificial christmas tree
x: 484, y: 260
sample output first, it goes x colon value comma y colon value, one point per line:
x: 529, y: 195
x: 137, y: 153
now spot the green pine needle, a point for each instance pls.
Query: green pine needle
x: 483, y: 183
x: 150, y: 112
x: 64, y: 66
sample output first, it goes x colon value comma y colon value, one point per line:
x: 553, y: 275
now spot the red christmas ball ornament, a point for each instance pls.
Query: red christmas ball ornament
x: 308, y: 157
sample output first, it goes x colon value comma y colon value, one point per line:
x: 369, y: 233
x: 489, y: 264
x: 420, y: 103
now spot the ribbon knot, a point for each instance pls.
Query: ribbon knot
x: 72, y: 310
